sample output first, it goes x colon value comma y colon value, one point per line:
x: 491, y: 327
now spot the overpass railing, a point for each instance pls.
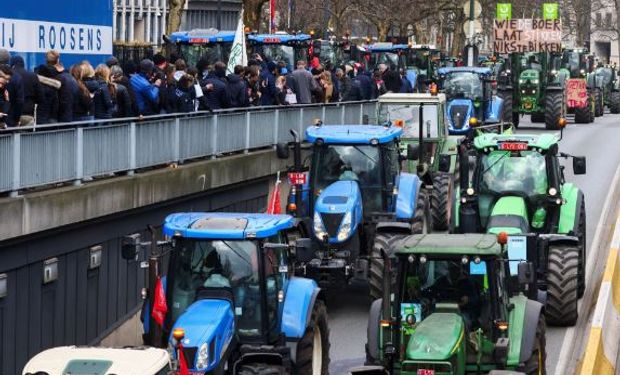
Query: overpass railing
x: 40, y: 156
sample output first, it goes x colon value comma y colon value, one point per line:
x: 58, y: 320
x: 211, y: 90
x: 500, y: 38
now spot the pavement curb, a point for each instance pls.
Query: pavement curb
x: 601, y: 350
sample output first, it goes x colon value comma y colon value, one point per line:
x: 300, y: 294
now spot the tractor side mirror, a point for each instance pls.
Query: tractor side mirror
x: 282, y: 151
x: 413, y: 151
x: 579, y: 165
x: 304, y: 250
x: 525, y: 273
x: 130, y: 246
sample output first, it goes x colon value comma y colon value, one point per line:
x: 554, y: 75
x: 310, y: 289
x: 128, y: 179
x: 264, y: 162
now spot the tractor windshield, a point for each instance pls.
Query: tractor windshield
x: 359, y: 163
x: 465, y: 85
x: 408, y: 117
x: 281, y: 52
x: 503, y: 171
x: 229, y: 265
x: 449, y: 282
x: 391, y: 59
x: 212, y: 53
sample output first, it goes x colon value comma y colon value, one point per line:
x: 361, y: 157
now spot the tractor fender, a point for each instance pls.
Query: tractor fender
x: 560, y: 238
x: 555, y: 88
x: 393, y: 227
x: 372, y: 332
x: 570, y: 210
x: 301, y: 294
x: 451, y: 149
x: 408, y: 187
x: 533, y: 309
x: 494, y: 110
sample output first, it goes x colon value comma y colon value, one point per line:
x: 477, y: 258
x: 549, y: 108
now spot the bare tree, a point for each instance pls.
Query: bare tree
x: 175, y: 8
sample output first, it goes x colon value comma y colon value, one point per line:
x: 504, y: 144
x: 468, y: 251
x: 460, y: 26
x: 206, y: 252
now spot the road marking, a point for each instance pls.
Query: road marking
x: 567, y: 356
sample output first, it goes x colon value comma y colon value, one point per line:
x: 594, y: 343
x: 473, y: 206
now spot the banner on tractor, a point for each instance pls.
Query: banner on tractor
x: 527, y: 35
x: 577, y: 93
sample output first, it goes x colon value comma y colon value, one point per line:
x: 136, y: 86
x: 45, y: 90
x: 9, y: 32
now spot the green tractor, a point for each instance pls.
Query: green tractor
x: 608, y: 76
x: 437, y: 162
x: 577, y: 64
x: 535, y: 87
x: 457, y: 305
x: 518, y: 186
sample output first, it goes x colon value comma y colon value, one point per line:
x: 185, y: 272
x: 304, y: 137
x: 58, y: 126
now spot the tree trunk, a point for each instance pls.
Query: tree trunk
x: 459, y: 34
x: 174, y: 17
x: 383, y: 28
x: 252, y: 13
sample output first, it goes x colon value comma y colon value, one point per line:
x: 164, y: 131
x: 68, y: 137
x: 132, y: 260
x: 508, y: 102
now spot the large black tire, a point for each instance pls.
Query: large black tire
x: 555, y: 108
x: 421, y: 222
x: 537, y: 117
x: 581, y: 268
x: 317, y: 331
x: 441, y: 201
x: 516, y: 116
x: 383, y: 241
x: 599, y: 104
x: 584, y: 115
x: 261, y: 369
x: 562, y: 275
x: 614, y: 102
x: 506, y: 95
x: 536, y: 364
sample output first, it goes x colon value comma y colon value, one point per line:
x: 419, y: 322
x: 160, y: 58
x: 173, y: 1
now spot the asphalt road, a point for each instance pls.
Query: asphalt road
x: 348, y: 310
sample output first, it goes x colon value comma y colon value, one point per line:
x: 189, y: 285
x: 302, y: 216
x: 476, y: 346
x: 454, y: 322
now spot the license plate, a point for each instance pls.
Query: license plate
x: 513, y: 146
x: 297, y: 178
x: 426, y: 372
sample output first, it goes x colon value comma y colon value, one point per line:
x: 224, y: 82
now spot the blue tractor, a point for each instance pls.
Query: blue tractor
x: 395, y: 56
x: 469, y: 93
x: 352, y: 192
x: 200, y: 44
x: 289, y: 48
x: 233, y: 303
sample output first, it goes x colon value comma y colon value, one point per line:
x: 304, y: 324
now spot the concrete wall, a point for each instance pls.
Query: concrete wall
x: 40, y: 211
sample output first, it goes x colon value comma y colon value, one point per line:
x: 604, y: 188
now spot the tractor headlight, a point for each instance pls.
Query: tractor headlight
x: 553, y: 191
x: 535, y: 81
x: 554, y: 72
x: 345, y: 227
x: 203, y: 357
x: 521, y: 81
x: 470, y: 191
x: 319, y: 228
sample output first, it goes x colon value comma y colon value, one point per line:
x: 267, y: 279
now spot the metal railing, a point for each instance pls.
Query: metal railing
x: 59, y: 153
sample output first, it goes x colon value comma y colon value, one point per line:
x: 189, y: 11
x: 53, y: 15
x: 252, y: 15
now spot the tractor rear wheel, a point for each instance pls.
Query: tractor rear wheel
x: 581, y: 281
x: 383, y: 241
x: 562, y: 275
x: 506, y: 95
x: 554, y: 109
x: 421, y: 221
x: 614, y: 102
x: 313, y: 348
x: 599, y: 105
x: 441, y: 201
x: 584, y: 115
x: 535, y: 365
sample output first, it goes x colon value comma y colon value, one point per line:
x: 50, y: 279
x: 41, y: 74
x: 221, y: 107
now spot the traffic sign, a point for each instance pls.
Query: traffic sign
x: 477, y: 27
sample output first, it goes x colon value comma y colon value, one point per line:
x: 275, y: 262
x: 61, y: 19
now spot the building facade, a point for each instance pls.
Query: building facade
x: 604, y: 39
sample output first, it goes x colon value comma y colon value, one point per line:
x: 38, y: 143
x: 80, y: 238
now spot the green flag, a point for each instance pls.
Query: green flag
x: 503, y: 11
x: 551, y: 11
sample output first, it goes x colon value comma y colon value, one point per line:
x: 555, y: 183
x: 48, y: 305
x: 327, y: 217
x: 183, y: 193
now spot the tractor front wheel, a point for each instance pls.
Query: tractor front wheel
x: 535, y: 365
x: 313, y: 348
x: 261, y: 369
x: 554, y: 109
x: 441, y: 201
x: 599, y: 104
x: 562, y: 284
x: 506, y: 95
x: 614, y: 102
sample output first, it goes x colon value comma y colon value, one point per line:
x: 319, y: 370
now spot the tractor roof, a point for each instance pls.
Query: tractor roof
x: 203, y: 36
x: 542, y: 141
x: 465, y: 69
x: 278, y: 38
x: 386, y: 47
x: 412, y: 98
x: 353, y: 134
x: 450, y: 244
x: 221, y: 225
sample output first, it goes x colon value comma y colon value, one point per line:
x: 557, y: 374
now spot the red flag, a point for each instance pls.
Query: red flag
x: 274, y: 206
x: 183, y: 370
x: 272, y: 16
x: 160, y: 308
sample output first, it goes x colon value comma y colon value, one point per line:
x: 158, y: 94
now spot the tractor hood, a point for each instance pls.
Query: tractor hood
x: 337, y: 202
x: 459, y: 111
x: 436, y: 337
x: 509, y: 214
x: 209, y: 326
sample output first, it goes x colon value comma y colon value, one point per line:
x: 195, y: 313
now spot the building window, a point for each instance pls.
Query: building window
x: 608, y: 20
x: 598, y: 21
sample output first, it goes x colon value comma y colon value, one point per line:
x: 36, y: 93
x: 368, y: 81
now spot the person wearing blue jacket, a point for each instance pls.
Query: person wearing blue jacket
x: 268, y: 90
x: 145, y: 92
x: 214, y: 87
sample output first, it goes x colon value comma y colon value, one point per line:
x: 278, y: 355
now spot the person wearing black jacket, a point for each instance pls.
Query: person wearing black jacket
x: 16, y: 92
x: 124, y: 107
x: 185, y: 95
x: 237, y: 89
x: 47, y: 110
x: 214, y: 87
x: 32, y: 90
x: 68, y: 87
x: 103, y: 98
x: 159, y: 73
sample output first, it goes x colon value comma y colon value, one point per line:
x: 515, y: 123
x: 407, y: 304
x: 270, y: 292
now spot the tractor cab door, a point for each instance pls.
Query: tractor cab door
x: 276, y: 274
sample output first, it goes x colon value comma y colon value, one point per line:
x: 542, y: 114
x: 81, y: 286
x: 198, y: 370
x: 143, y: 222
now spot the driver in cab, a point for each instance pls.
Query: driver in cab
x: 215, y: 270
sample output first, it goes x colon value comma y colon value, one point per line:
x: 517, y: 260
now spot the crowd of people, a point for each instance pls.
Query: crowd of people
x: 53, y: 93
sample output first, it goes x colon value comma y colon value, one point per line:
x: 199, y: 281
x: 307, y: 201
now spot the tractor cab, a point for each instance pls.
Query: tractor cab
x: 454, y: 308
x: 289, y: 48
x: 469, y: 93
x: 395, y: 56
x: 335, y: 52
x: 424, y: 60
x: 201, y: 44
x: 228, y: 288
